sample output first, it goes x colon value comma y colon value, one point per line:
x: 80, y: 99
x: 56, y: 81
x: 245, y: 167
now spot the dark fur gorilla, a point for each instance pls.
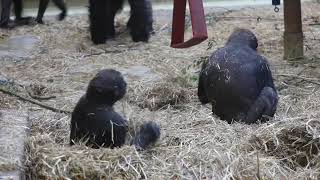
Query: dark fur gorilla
x: 43, y: 4
x: 238, y: 81
x: 95, y: 121
x: 102, y: 14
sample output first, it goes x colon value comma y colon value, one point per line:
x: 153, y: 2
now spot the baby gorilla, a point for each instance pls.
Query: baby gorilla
x: 95, y: 122
x: 237, y: 81
x: 102, y: 14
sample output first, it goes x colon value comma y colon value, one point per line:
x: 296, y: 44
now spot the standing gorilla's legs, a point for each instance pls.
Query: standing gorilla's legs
x: 43, y: 4
x: 149, y: 15
x: 140, y: 22
x: 97, y: 16
x: 18, y: 7
x: 62, y: 6
x: 5, y: 13
x: 265, y: 105
x: 101, y: 15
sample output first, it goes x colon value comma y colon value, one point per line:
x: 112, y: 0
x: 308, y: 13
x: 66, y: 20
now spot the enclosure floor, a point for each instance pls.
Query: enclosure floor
x: 162, y: 87
x: 13, y: 137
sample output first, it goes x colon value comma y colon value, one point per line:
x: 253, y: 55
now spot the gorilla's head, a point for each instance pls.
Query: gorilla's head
x: 243, y: 37
x: 107, y: 87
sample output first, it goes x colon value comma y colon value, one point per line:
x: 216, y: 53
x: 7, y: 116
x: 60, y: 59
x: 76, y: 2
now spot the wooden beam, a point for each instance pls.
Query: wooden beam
x: 293, y: 35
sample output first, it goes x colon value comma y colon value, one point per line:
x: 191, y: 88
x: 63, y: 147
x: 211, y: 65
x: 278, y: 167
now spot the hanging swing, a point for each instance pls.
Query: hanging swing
x: 198, y: 23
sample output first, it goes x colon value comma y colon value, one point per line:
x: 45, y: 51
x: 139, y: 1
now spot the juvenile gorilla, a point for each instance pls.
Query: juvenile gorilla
x: 95, y: 121
x: 237, y: 81
x: 102, y: 14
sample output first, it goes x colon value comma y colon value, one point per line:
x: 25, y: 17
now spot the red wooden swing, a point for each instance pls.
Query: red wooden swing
x: 198, y: 22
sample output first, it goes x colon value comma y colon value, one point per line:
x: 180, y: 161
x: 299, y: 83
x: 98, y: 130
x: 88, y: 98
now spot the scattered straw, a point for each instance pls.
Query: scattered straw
x: 194, y: 144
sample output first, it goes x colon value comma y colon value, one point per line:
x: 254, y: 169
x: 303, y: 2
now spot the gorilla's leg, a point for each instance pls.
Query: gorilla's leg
x: 265, y: 105
x: 99, y: 21
x: 43, y: 4
x: 149, y: 17
x: 5, y: 13
x: 140, y: 22
x: 62, y: 6
x: 18, y: 7
x: 101, y: 15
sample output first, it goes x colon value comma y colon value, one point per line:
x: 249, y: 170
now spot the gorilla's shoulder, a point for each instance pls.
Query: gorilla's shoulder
x: 234, y: 54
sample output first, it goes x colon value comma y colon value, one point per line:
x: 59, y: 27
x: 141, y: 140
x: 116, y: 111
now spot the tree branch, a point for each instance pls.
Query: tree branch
x: 313, y: 81
x: 5, y: 91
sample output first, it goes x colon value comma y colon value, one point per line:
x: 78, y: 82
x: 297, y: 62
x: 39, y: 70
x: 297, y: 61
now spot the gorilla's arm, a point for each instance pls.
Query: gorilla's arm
x: 202, y: 94
x: 77, y: 118
x: 149, y: 133
x: 265, y: 105
x: 140, y: 22
x: 266, y: 102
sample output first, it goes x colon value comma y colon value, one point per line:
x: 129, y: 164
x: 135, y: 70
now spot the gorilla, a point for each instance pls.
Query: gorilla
x: 43, y: 4
x: 102, y: 14
x: 237, y: 81
x: 95, y: 122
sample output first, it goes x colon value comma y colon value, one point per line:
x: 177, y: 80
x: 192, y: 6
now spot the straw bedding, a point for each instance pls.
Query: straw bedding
x: 194, y: 144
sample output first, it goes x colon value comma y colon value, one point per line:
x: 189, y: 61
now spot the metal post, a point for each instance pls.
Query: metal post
x: 293, y: 36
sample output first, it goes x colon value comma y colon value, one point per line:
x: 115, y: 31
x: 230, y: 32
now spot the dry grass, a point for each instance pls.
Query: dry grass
x: 194, y: 144
x: 170, y: 91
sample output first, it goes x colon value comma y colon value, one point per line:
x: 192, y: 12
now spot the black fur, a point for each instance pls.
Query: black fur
x: 43, y: 4
x: 18, y: 9
x: 94, y: 120
x: 107, y: 87
x: 148, y: 134
x: 97, y: 125
x: 5, y: 21
x: 237, y: 81
x: 102, y: 14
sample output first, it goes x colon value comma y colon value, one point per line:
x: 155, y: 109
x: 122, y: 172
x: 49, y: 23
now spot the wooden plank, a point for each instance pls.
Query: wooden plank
x: 293, y: 35
x: 13, y: 134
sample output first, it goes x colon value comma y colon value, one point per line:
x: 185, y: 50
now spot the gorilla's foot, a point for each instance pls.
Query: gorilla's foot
x: 23, y: 21
x: 39, y: 21
x: 62, y: 15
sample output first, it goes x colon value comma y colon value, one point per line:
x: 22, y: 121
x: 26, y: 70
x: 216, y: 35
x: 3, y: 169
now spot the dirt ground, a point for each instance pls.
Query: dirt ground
x: 162, y: 86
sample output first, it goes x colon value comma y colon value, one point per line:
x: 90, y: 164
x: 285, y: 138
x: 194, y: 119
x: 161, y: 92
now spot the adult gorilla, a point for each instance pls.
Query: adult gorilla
x: 102, y: 14
x: 238, y: 81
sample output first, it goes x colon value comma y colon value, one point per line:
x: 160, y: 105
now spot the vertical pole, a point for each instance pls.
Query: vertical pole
x: 293, y: 36
x: 178, y: 21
